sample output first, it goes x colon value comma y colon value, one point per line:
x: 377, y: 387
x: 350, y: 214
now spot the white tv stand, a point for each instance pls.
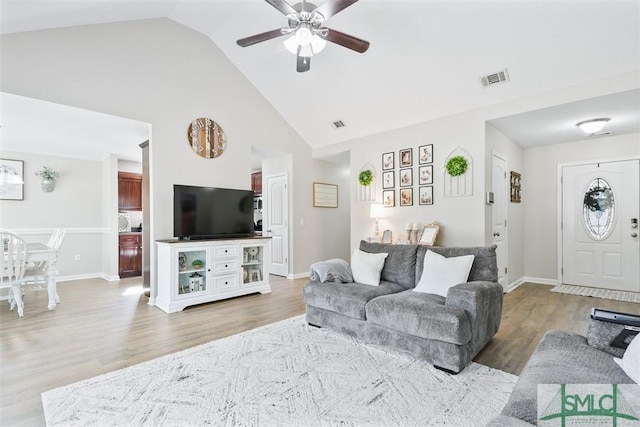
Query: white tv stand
x: 229, y: 268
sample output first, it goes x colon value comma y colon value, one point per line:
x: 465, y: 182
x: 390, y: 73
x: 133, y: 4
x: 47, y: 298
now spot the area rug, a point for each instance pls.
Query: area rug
x: 283, y: 374
x: 598, y: 293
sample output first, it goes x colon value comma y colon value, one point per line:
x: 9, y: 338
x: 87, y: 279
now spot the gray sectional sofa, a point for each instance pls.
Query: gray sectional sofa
x: 447, y: 332
x: 563, y: 358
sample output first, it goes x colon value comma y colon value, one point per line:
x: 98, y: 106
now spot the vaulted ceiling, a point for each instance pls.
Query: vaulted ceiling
x: 425, y: 61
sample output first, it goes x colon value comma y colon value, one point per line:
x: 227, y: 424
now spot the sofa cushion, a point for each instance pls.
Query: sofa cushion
x: 348, y: 299
x: 484, y: 268
x: 440, y: 273
x: 400, y: 266
x: 366, y: 267
x: 420, y: 315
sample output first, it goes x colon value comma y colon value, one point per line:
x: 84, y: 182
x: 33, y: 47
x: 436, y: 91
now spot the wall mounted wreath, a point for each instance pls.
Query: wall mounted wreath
x: 456, y: 166
x: 365, y: 178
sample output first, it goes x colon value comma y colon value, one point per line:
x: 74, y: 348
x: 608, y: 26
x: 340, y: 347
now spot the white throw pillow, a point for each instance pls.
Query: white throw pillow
x: 366, y: 267
x: 440, y: 273
x: 630, y: 362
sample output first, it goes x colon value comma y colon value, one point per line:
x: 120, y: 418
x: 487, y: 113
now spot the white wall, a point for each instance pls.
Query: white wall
x: 540, y: 192
x: 145, y: 70
x: 532, y: 245
x: 75, y: 205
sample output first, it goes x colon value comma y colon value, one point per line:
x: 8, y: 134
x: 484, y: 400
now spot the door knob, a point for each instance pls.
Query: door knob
x: 496, y: 234
x: 634, y: 234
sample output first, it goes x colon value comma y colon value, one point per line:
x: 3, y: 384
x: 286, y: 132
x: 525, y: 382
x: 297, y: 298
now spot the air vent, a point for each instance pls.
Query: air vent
x: 496, y: 78
x: 338, y: 124
x: 597, y: 134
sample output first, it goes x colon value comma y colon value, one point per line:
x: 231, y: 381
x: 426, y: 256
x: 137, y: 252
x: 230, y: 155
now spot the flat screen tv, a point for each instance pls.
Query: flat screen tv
x: 212, y: 213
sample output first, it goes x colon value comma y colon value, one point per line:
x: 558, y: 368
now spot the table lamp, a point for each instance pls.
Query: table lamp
x: 377, y: 211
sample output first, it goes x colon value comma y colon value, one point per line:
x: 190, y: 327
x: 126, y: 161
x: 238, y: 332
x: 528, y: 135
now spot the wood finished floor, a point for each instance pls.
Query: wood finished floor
x: 103, y: 326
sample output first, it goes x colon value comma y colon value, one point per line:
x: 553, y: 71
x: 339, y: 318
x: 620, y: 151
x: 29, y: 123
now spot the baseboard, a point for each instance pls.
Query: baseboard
x: 526, y: 279
x: 540, y: 281
x: 104, y: 276
x: 298, y: 275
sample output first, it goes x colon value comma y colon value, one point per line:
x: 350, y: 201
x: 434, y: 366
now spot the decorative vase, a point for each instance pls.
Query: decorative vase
x: 48, y: 185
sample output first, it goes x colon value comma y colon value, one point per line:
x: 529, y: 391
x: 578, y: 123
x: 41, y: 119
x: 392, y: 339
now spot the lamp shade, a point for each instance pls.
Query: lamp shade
x: 593, y: 125
x: 377, y: 211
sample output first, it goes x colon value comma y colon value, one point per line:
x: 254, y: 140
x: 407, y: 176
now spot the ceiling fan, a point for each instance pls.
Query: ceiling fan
x: 308, y: 36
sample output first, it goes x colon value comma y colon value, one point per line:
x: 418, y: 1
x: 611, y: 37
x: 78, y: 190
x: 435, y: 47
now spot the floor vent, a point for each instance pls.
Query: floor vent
x: 338, y: 124
x: 498, y: 77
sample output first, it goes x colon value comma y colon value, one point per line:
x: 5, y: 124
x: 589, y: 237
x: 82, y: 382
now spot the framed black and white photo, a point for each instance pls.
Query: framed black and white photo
x: 406, y: 197
x: 388, y: 179
x: 389, y: 198
x: 388, y: 161
x: 425, y: 154
x: 406, y: 157
x: 406, y: 177
x: 425, y: 196
x: 425, y: 175
x: 12, y: 184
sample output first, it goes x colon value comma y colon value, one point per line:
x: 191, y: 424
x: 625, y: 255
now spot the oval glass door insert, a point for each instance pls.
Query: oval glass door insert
x: 599, y: 209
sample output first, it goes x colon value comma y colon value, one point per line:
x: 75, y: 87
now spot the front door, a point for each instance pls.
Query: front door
x: 600, y: 243
x: 277, y: 223
x: 499, y: 215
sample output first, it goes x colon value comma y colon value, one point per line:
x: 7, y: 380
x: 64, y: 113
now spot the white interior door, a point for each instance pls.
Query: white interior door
x: 276, y: 206
x: 499, y: 215
x: 600, y: 243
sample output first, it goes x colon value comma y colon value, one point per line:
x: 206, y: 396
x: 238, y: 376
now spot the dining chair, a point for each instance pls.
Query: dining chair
x: 36, y: 272
x: 12, y: 268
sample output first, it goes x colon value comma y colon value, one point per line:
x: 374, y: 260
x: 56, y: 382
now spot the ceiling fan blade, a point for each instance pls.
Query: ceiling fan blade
x: 248, y: 41
x: 331, y: 7
x: 303, y: 63
x: 350, y: 42
x: 282, y: 6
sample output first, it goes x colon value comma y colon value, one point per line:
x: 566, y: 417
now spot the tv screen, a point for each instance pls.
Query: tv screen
x: 211, y: 213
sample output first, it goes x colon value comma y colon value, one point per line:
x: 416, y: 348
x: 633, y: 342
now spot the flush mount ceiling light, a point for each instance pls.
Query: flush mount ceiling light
x: 592, y: 126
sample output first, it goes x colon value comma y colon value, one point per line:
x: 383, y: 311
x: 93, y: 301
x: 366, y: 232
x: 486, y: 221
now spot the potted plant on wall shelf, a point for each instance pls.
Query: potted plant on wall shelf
x: 48, y: 176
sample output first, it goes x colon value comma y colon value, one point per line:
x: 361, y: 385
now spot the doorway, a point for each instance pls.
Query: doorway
x: 276, y: 222
x: 499, y: 215
x: 600, y: 207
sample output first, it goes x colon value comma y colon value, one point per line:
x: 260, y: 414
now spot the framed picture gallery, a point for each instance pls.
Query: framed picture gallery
x: 406, y: 197
x: 425, y: 195
x: 425, y: 154
x: 389, y: 198
x: 425, y: 175
x: 406, y: 157
x: 406, y: 177
x: 388, y: 180
x: 388, y: 161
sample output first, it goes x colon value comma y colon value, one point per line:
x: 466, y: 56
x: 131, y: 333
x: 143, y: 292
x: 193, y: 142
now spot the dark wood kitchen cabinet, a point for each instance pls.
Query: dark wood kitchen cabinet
x: 130, y: 258
x: 129, y: 191
x: 256, y: 183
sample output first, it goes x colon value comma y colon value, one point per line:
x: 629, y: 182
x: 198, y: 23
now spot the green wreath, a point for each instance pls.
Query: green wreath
x: 365, y: 178
x: 456, y: 166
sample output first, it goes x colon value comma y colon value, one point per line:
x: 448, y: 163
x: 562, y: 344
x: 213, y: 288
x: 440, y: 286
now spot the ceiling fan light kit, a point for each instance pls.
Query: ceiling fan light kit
x: 308, y: 37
